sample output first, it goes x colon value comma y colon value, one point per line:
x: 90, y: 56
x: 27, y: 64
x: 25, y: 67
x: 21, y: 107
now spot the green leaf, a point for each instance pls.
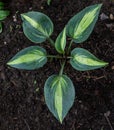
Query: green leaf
x: 83, y: 60
x: 37, y: 26
x: 60, y: 42
x: 0, y: 27
x: 3, y: 14
x: 30, y: 58
x: 59, y: 95
x: 81, y: 25
x: 48, y: 2
x: 1, y: 5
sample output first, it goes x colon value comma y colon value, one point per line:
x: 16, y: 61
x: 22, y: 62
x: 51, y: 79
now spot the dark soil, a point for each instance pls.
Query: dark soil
x: 22, y: 105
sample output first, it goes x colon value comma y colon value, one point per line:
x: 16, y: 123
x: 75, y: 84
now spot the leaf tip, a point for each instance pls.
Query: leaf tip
x: 106, y: 63
x: 8, y: 63
x: 22, y: 15
x: 100, y: 5
x: 60, y: 120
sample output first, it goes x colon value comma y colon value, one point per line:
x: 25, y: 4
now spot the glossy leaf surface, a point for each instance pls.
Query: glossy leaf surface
x: 60, y: 42
x: 30, y: 58
x: 83, y: 60
x: 81, y: 25
x: 37, y: 26
x: 59, y: 95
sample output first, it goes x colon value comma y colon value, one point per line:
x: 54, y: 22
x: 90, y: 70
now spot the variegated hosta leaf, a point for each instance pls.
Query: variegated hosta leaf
x: 60, y: 42
x: 30, y: 58
x: 3, y: 14
x: 83, y: 60
x: 37, y: 26
x: 59, y: 95
x: 81, y: 25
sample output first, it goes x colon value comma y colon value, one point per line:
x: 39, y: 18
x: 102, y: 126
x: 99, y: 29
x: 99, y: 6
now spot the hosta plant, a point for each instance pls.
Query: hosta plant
x: 3, y: 14
x: 58, y: 89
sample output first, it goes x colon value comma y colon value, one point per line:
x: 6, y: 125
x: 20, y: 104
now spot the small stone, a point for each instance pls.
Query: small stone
x: 103, y: 16
x: 14, y: 18
x: 112, y: 67
x: 42, y: 7
x: 5, y: 42
x: 30, y: 8
x: 107, y: 113
x: 111, y: 16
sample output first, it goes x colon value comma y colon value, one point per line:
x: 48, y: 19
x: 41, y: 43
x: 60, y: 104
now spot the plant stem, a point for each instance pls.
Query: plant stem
x: 62, y: 68
x: 51, y: 41
x: 54, y: 56
x: 69, y: 48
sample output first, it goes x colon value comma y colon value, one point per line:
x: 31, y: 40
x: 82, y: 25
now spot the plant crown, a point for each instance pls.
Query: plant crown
x: 58, y: 89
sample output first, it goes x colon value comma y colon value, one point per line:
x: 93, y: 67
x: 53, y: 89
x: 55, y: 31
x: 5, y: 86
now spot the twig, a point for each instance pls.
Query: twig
x: 109, y: 123
x: 26, y: 124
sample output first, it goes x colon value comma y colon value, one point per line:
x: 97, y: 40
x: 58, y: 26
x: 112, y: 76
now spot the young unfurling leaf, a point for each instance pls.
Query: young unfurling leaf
x: 60, y: 42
